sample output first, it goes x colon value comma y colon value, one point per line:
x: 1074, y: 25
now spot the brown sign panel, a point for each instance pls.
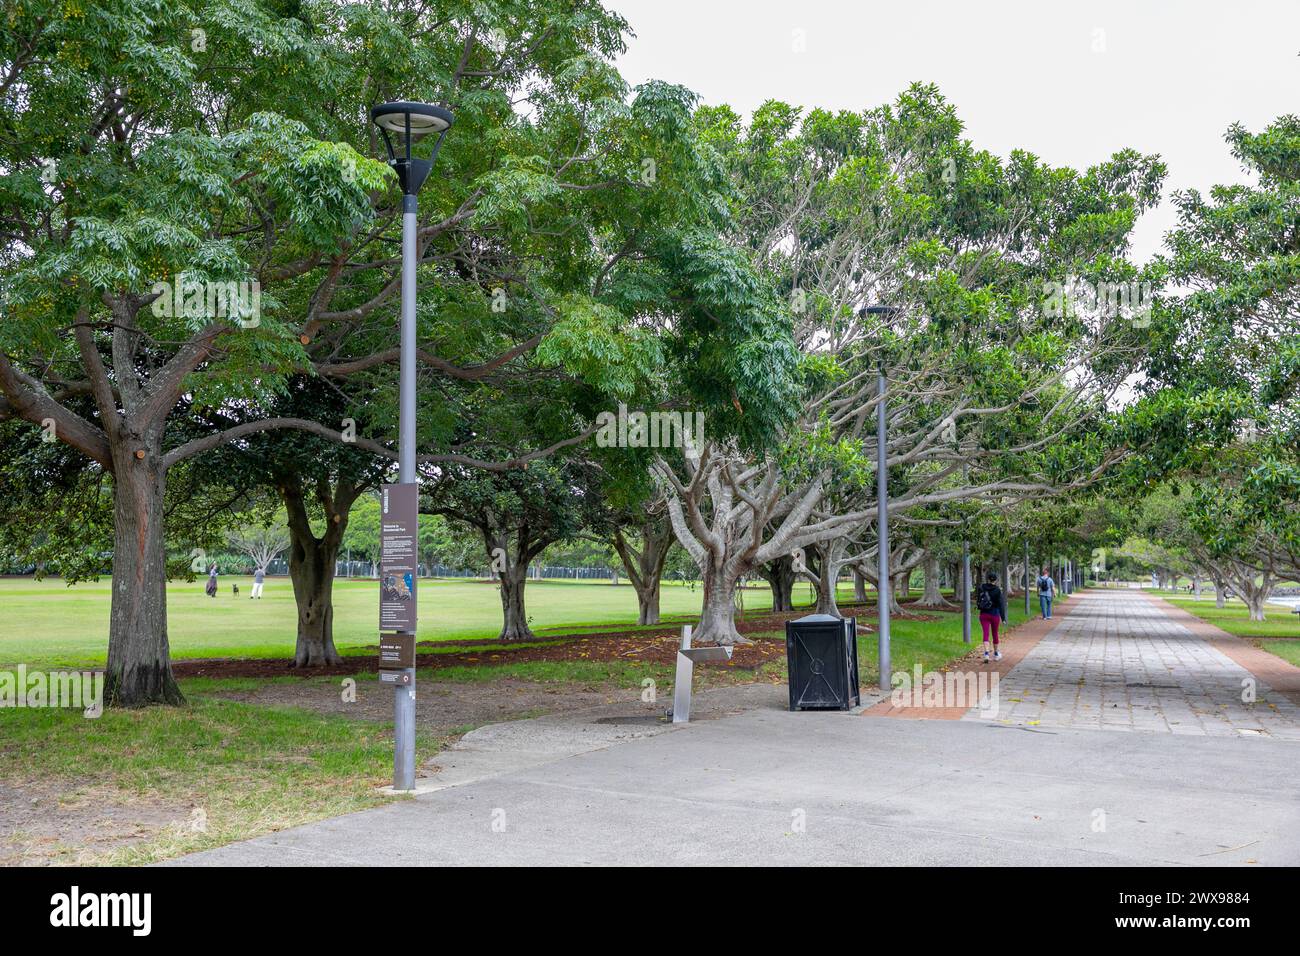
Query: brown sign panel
x: 396, y: 651
x: 398, y: 558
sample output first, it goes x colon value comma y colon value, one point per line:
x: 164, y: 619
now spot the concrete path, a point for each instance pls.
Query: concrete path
x: 771, y: 787
x: 1124, y: 661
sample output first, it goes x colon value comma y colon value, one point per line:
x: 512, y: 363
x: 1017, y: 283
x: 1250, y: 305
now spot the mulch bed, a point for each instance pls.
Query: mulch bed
x: 647, y: 646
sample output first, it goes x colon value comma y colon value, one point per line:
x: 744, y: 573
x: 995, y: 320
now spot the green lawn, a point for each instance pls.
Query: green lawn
x: 243, y: 769
x: 1235, y: 619
x: 50, y: 624
x: 221, y: 770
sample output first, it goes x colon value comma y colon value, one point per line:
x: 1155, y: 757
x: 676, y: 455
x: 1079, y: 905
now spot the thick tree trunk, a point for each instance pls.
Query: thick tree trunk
x: 311, y: 569
x: 647, y: 601
x: 933, y: 596
x: 780, y: 577
x: 859, y: 587
x: 312, y: 561
x: 1255, y: 596
x: 645, y: 567
x: 139, y: 670
x: 514, y: 626
x: 828, y: 573
x: 718, y: 614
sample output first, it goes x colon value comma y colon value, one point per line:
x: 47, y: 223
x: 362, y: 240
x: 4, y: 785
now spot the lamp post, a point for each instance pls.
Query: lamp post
x: 884, y: 582
x: 1027, y: 579
x: 402, y: 124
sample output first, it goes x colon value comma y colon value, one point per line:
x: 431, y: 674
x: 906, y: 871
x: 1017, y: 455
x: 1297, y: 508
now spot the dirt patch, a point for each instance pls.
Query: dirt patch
x: 657, y: 646
x: 41, y: 824
x: 442, y: 707
x: 642, y: 646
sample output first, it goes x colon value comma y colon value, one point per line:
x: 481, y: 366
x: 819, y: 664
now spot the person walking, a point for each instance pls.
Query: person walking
x: 259, y: 576
x: 1046, y: 594
x: 211, y: 588
x: 992, y: 603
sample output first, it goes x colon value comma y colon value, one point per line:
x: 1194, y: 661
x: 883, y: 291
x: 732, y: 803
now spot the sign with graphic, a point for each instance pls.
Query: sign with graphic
x: 398, y: 558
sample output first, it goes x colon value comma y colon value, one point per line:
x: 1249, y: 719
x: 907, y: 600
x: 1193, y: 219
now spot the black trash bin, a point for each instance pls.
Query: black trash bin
x: 821, y: 655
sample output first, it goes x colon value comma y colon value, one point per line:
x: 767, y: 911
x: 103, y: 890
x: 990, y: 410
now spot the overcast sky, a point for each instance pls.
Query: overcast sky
x: 1069, y: 81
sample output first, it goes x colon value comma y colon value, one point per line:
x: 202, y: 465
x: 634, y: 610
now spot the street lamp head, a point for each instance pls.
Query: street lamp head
x: 407, y: 122
x: 411, y: 119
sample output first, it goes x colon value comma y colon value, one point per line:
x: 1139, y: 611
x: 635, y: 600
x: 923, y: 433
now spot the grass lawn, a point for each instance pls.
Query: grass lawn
x: 202, y: 775
x: 1279, y: 634
x: 50, y: 624
x: 219, y: 770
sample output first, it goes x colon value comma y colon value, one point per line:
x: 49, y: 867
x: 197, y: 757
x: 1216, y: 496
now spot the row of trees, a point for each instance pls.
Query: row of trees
x: 584, y: 247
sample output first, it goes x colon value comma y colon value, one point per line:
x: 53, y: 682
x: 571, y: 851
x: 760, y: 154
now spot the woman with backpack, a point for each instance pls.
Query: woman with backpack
x: 992, y: 604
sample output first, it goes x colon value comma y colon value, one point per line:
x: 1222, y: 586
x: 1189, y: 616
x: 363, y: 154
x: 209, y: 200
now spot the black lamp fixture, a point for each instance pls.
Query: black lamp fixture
x: 402, y: 124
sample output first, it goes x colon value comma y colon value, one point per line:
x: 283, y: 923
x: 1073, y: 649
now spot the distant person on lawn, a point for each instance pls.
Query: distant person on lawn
x: 211, y: 589
x: 259, y: 576
x: 1046, y: 592
x: 993, y: 612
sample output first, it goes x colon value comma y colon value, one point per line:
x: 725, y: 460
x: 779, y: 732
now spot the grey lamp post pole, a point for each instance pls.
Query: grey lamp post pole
x: 407, y: 122
x: 1027, y: 577
x: 884, y: 583
x: 965, y: 591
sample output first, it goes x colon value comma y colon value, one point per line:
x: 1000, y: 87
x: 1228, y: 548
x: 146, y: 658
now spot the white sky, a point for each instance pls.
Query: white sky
x: 1169, y: 77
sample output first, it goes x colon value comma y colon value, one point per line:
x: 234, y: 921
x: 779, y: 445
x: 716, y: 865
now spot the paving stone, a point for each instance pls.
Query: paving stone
x: 1119, y: 663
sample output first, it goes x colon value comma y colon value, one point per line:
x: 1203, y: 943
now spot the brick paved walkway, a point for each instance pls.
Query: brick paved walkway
x: 1123, y: 661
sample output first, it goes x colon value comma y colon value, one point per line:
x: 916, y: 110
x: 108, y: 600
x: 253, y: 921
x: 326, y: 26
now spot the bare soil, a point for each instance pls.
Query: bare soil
x: 45, y: 823
x: 658, y: 646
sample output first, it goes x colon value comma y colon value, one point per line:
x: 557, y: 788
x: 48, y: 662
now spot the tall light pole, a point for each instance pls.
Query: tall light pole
x: 402, y: 124
x: 965, y: 588
x: 1028, y: 577
x: 884, y: 583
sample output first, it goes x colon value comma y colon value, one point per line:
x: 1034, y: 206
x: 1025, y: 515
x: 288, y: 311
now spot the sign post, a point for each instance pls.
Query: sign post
x: 398, y: 575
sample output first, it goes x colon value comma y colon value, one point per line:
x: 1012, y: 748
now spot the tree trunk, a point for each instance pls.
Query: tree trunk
x: 645, y: 568
x: 514, y: 625
x: 311, y: 569
x: 718, y: 614
x: 139, y: 670
x: 859, y: 587
x: 933, y: 596
x: 780, y: 577
x: 647, y: 601
x: 312, y: 561
x: 828, y: 573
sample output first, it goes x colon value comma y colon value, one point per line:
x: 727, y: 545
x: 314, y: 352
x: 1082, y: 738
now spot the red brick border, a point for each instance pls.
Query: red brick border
x: 1281, y: 676
x: 1016, y: 643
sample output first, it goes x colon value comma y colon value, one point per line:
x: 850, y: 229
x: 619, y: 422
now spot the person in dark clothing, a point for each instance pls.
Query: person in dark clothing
x: 211, y: 588
x: 993, y: 611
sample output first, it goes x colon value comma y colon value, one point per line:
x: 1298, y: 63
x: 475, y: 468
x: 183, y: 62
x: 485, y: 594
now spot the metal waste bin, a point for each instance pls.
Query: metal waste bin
x: 821, y: 655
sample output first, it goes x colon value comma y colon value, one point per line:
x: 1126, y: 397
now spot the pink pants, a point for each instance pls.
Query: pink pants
x: 990, y: 621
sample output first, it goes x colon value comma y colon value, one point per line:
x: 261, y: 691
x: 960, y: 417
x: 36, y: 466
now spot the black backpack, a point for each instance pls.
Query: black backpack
x: 984, y: 599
